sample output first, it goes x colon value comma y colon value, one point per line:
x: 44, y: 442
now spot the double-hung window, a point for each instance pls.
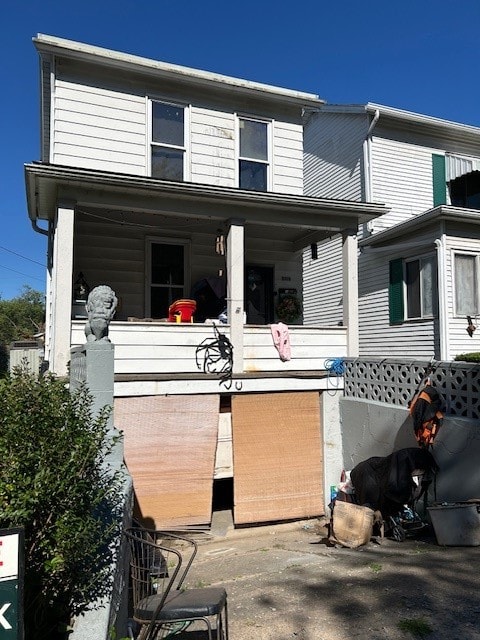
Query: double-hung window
x: 254, y: 163
x: 466, y: 284
x: 168, y: 141
x: 413, y: 289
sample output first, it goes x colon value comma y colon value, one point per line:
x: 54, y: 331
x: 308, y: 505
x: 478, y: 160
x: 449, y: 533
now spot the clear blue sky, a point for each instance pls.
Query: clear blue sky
x: 419, y: 55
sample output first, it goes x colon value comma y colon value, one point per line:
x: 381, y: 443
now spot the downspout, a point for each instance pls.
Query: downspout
x: 367, y: 164
x: 39, y: 229
x: 442, y: 298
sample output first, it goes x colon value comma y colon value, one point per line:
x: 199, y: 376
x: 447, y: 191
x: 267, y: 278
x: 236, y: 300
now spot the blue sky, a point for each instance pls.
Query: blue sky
x: 419, y: 55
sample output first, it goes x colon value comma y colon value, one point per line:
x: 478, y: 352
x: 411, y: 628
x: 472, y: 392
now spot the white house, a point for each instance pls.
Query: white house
x: 156, y: 180
x: 418, y: 263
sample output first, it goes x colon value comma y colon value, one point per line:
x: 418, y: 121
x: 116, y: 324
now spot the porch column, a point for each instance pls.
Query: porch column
x: 235, y: 292
x: 350, y: 289
x: 61, y: 289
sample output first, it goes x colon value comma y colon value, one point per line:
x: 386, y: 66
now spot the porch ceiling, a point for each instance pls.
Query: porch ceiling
x: 298, y: 219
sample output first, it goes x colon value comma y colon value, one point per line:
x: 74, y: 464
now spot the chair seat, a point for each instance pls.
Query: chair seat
x: 184, y: 605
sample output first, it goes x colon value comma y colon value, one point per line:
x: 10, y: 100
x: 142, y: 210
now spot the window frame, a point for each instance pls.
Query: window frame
x: 151, y: 240
x: 398, y: 290
x: 186, y: 135
x: 268, y: 162
x: 476, y: 256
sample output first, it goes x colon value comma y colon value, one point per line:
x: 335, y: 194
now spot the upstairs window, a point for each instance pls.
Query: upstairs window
x: 412, y: 289
x: 168, y: 141
x: 466, y: 284
x: 253, y: 154
x: 465, y: 191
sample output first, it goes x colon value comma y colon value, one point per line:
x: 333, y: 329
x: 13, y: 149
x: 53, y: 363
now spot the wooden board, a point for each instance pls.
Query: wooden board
x: 277, y: 457
x: 170, y: 444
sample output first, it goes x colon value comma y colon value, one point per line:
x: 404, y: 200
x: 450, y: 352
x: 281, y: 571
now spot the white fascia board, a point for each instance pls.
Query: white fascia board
x: 69, y: 48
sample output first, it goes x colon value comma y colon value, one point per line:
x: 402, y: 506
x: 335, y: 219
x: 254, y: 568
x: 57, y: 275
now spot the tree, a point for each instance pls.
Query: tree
x: 20, y: 319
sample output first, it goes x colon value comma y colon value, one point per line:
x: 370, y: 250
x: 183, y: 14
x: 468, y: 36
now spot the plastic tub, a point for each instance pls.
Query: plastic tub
x: 457, y: 524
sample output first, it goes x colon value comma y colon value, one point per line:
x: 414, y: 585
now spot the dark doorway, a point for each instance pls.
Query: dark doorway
x: 259, y: 294
x: 222, y: 494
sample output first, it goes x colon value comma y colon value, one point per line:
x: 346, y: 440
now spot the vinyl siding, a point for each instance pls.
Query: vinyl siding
x: 459, y: 240
x: 333, y: 158
x: 114, y: 254
x: 99, y: 128
x: 378, y: 338
x: 101, y: 123
x: 322, y: 281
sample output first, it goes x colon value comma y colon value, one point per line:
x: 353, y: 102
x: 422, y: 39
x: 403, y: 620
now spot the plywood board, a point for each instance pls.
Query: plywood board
x: 277, y: 457
x: 170, y: 444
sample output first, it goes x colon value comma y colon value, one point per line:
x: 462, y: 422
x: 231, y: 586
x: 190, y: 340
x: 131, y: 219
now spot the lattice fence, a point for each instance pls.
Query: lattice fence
x: 395, y: 381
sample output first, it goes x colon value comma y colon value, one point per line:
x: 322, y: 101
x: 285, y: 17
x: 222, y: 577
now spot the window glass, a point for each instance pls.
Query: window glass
x: 167, y: 264
x: 167, y: 164
x: 465, y: 285
x: 167, y: 124
x: 412, y: 280
x: 429, y: 286
x: 253, y: 140
x: 253, y: 176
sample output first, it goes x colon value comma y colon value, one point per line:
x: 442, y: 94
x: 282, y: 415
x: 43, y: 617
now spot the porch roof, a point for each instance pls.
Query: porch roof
x: 409, y: 227
x: 301, y: 219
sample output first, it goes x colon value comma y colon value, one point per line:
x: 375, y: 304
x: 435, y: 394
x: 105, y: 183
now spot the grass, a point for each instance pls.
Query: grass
x: 418, y: 627
x: 375, y: 567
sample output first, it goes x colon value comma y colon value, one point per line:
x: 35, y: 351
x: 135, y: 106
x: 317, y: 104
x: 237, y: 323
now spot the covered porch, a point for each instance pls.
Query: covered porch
x: 105, y: 225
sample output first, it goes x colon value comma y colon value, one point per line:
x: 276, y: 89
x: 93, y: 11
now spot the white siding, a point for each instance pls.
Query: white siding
x: 458, y: 338
x: 99, y: 128
x: 378, y: 338
x: 287, y: 158
x: 322, y: 282
x: 212, y: 145
x: 402, y: 179
x: 334, y: 155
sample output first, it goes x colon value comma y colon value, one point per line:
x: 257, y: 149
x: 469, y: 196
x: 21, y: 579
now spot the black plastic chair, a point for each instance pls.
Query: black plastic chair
x: 159, y: 563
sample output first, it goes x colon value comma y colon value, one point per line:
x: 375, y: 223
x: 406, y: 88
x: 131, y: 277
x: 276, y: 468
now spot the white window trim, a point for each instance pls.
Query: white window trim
x: 149, y: 240
x: 476, y: 255
x: 405, y: 289
x: 243, y: 116
x: 186, y: 135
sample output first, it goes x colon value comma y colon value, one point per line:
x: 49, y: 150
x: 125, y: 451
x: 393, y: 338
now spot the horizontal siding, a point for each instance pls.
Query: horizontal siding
x: 377, y: 337
x: 99, y: 128
x: 334, y: 155
x: 169, y: 348
x: 402, y: 179
x: 287, y: 158
x: 212, y: 146
x: 458, y: 338
x: 322, y: 282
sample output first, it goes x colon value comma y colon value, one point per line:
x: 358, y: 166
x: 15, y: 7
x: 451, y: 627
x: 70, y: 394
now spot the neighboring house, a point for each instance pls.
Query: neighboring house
x: 158, y: 180
x: 419, y: 263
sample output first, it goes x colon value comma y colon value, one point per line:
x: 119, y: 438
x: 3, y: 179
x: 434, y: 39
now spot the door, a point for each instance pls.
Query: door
x: 259, y: 294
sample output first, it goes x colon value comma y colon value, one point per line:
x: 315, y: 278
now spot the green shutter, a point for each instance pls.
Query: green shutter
x: 395, y: 292
x: 439, y: 180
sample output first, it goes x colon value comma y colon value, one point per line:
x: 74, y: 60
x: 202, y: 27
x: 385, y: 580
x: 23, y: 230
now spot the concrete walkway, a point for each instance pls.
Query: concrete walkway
x: 285, y: 583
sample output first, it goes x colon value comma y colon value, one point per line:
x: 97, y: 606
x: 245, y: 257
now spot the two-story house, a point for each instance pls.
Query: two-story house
x: 418, y: 263
x: 169, y: 183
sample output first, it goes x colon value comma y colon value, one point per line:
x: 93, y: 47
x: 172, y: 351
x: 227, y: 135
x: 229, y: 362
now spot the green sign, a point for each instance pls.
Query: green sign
x: 11, y: 584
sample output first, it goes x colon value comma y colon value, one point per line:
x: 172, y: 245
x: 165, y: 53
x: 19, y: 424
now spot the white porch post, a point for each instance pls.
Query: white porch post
x: 350, y: 290
x: 235, y: 292
x: 61, y: 289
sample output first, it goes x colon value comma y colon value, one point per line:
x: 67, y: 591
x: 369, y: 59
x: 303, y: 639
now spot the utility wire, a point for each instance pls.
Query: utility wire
x: 20, y: 273
x: 20, y: 256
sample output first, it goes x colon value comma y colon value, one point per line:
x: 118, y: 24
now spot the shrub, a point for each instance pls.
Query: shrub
x: 468, y: 357
x: 55, y: 483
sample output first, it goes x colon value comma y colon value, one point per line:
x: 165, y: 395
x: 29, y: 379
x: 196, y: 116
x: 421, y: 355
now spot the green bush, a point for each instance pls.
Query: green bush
x: 468, y: 357
x: 55, y: 483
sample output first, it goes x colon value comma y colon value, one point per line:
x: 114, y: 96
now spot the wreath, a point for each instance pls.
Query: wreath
x: 288, y: 309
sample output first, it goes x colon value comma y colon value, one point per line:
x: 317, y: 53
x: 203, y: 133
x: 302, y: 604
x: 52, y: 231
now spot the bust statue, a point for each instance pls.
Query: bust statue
x: 100, y: 307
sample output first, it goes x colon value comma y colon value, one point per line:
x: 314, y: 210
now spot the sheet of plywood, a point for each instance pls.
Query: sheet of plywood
x: 277, y: 456
x: 170, y: 444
